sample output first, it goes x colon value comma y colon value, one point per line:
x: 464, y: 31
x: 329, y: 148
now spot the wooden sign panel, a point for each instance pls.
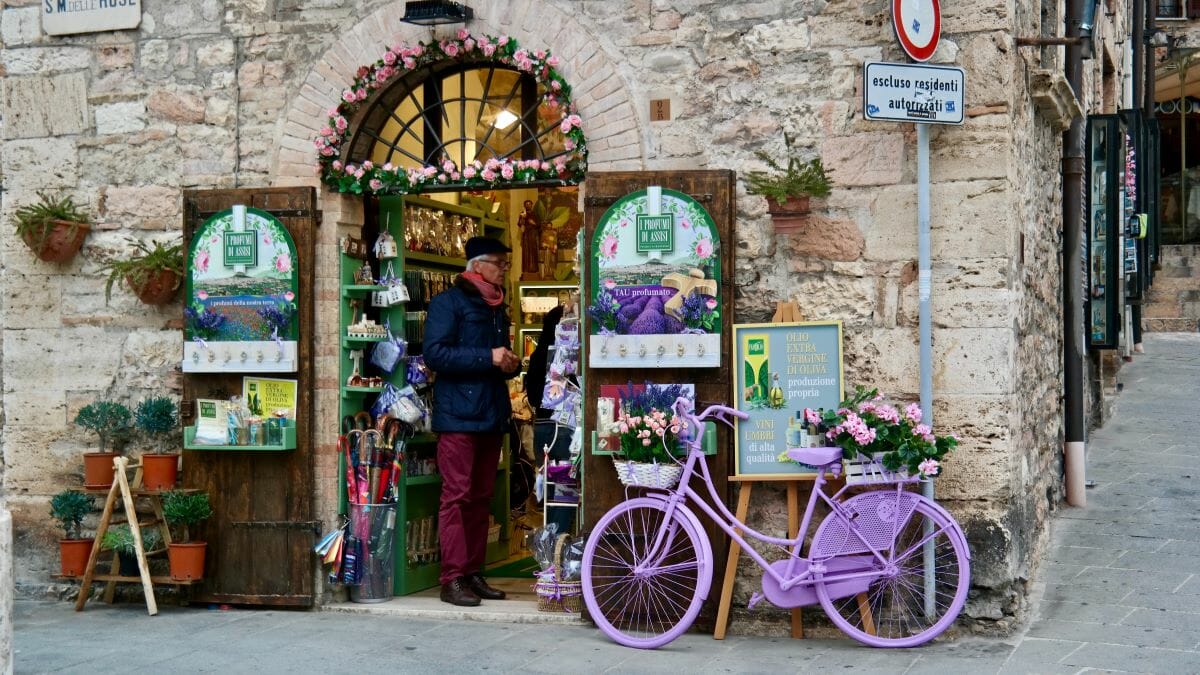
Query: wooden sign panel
x: 781, y: 369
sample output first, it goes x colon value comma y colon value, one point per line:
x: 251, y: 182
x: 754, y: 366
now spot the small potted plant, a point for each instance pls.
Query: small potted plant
x: 120, y: 538
x: 69, y: 508
x: 789, y: 189
x: 156, y: 418
x: 53, y: 228
x: 183, y: 511
x: 154, y: 275
x: 112, y: 422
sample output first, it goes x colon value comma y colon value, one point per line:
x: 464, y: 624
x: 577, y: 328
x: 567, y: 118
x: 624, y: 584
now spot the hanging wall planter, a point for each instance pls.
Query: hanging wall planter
x: 790, y: 216
x: 154, y: 275
x: 54, y: 229
x: 789, y: 189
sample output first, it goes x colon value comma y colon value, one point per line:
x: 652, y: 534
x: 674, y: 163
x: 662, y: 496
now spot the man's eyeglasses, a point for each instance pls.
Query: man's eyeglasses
x: 501, y: 264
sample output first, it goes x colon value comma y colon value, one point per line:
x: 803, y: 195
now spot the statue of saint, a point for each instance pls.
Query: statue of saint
x: 531, y: 238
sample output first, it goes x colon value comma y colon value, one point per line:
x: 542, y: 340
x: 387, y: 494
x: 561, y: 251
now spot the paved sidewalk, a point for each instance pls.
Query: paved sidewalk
x: 1120, y: 591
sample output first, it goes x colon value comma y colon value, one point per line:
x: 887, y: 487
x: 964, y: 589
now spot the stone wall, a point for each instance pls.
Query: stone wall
x: 224, y: 94
x: 6, y: 591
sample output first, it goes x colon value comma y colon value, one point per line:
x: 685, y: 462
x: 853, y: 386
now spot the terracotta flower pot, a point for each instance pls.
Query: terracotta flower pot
x: 60, y: 244
x: 98, y: 470
x: 160, y: 472
x: 187, y: 560
x: 73, y: 555
x: 792, y: 215
x: 158, y: 288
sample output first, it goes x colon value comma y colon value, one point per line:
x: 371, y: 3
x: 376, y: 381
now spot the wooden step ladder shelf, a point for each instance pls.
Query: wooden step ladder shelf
x: 120, y: 486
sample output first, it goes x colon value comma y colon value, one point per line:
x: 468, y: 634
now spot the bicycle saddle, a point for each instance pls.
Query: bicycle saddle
x: 815, y: 456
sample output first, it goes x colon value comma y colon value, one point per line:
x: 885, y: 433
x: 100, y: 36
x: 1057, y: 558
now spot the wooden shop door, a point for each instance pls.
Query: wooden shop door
x: 261, y: 535
x: 715, y: 191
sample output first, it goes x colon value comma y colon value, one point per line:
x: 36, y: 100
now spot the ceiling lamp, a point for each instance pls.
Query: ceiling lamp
x: 434, y: 12
x: 505, y: 119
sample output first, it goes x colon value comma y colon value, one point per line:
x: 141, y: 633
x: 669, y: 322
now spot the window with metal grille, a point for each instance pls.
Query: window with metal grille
x: 462, y: 113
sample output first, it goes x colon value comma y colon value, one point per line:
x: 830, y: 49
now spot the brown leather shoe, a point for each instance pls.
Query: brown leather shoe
x: 458, y: 592
x: 480, y: 586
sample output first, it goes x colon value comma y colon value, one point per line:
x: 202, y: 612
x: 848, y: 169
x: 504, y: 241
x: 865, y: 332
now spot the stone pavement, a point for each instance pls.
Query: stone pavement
x: 1119, y: 591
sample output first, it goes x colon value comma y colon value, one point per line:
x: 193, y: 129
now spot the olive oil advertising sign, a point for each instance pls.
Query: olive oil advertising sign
x: 782, y: 368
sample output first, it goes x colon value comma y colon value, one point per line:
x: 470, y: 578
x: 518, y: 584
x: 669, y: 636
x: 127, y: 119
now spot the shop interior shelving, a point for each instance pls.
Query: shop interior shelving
x: 419, y: 494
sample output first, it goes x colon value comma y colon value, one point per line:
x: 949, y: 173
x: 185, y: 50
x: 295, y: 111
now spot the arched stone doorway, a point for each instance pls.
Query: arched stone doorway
x: 603, y: 99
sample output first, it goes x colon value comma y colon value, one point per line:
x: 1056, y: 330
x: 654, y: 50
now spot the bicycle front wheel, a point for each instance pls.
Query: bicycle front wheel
x: 893, y: 607
x: 644, y: 574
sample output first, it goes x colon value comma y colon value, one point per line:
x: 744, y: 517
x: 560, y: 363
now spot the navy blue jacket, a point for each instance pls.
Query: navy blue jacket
x: 469, y: 393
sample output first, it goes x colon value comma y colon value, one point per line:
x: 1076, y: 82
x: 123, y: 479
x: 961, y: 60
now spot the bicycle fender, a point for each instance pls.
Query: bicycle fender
x: 705, y: 544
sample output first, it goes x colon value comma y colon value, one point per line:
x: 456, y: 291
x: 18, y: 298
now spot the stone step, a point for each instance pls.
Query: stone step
x: 1169, y: 325
x: 1189, y: 250
x: 1173, y: 285
x: 1174, y: 272
x: 1162, y: 310
x: 1171, y: 260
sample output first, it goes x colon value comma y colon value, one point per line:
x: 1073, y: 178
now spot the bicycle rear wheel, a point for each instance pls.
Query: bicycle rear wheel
x: 893, y: 610
x: 639, y: 594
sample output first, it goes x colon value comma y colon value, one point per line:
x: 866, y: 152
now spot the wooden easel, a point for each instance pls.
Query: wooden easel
x: 121, y: 486
x: 735, y: 550
x: 787, y: 312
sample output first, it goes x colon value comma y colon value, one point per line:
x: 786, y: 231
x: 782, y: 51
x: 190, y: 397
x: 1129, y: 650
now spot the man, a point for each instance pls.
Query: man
x: 467, y: 345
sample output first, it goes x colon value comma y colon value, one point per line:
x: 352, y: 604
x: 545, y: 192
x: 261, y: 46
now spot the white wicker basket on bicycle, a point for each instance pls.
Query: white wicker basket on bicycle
x: 862, y: 470
x: 639, y: 474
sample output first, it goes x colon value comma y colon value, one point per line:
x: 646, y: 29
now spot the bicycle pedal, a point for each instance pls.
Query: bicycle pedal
x: 755, y: 598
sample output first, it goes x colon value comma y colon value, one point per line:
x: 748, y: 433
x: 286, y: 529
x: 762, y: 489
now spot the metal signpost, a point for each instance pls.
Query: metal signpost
x: 901, y: 92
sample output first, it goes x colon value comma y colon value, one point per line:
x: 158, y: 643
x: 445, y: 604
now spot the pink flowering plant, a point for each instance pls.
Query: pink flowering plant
x: 554, y: 104
x: 865, y: 424
x: 646, y: 429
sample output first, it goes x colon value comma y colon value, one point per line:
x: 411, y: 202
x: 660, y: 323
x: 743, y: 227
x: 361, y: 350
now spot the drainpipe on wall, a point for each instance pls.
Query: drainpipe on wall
x: 1072, y: 272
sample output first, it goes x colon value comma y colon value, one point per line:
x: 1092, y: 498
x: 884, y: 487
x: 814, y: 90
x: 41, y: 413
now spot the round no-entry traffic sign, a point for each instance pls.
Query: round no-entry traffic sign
x: 918, y: 26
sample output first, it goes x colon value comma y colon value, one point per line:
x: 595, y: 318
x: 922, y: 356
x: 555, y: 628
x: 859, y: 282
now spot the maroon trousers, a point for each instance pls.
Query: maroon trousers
x: 467, y: 462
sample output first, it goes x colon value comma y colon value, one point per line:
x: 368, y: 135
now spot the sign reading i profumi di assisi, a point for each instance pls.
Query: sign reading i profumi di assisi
x: 241, y: 248
x: 655, y: 233
x: 68, y: 17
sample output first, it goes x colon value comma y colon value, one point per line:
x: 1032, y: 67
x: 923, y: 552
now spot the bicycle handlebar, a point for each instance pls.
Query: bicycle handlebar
x: 683, y: 408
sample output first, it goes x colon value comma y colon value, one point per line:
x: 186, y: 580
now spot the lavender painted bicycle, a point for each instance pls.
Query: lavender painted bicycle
x: 890, y: 567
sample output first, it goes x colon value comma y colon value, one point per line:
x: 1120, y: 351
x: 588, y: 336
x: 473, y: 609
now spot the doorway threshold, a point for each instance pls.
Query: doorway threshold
x: 520, y: 607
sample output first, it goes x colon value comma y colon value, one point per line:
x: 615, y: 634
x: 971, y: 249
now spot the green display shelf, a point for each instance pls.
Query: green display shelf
x: 352, y: 341
x: 360, y: 391
x: 355, y: 291
x: 432, y: 479
x: 435, y: 260
x: 289, y: 443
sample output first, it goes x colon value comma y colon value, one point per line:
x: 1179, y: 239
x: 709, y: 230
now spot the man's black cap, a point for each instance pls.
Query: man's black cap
x: 477, y: 246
